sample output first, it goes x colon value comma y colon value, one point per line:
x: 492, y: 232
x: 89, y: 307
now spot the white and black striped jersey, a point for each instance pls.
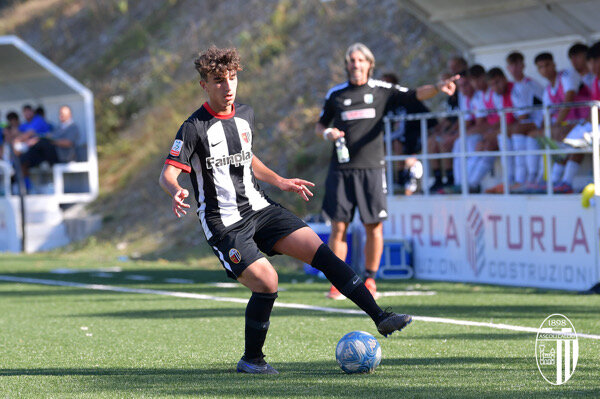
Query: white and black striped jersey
x: 358, y: 111
x: 216, y: 150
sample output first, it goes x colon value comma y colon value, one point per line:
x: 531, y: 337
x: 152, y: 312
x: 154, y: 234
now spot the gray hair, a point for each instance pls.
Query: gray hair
x: 365, y: 51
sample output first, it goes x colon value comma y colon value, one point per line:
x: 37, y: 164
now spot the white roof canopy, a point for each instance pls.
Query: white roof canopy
x: 469, y: 24
x: 25, y: 74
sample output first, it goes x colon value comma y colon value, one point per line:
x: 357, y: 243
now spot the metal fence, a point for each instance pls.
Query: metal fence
x: 424, y: 156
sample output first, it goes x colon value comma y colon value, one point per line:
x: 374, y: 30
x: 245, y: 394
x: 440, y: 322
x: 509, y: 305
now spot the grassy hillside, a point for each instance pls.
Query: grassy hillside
x: 292, y: 53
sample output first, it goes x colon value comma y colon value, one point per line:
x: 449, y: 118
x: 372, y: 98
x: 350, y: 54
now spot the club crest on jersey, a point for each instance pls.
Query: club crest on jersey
x: 246, y: 136
x: 235, y: 255
x: 368, y: 98
x: 176, y: 149
x: 347, y: 102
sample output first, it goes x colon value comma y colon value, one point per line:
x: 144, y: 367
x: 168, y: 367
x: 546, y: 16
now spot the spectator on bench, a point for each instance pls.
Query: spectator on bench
x: 55, y: 147
x: 11, y: 129
x: 35, y: 126
x: 34, y: 123
x: 41, y: 112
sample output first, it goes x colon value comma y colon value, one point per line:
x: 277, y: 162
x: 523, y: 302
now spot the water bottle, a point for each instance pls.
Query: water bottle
x: 343, y: 154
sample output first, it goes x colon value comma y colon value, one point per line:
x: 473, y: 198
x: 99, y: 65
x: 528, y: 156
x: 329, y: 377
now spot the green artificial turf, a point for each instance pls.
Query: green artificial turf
x: 63, y: 342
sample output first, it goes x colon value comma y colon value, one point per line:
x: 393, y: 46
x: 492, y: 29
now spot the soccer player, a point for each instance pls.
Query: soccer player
x: 526, y: 165
x: 589, y: 90
x: 579, y: 61
x: 515, y: 65
x: 241, y: 224
x: 479, y: 166
x: 507, y: 94
x: 466, y: 92
x: 356, y: 109
x: 562, y: 88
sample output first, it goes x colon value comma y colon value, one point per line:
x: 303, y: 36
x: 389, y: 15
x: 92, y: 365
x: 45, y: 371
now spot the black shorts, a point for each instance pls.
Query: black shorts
x: 254, y: 237
x: 43, y: 150
x: 347, y: 189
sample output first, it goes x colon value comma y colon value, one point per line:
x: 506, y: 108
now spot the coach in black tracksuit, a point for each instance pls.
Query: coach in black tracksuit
x: 355, y: 110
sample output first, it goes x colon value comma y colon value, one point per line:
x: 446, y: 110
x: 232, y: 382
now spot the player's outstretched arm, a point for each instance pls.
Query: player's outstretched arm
x: 261, y: 172
x: 168, y: 181
x: 428, y: 91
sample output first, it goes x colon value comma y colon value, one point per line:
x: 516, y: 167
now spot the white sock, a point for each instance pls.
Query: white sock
x: 482, y: 167
x: 557, y: 172
x: 570, y: 171
x: 510, y: 160
x: 532, y: 161
x: 519, y: 144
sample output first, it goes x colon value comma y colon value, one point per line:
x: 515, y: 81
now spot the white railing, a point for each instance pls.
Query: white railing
x: 6, y: 171
x: 424, y: 156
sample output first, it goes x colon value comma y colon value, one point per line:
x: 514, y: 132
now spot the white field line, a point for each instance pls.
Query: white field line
x: 190, y: 295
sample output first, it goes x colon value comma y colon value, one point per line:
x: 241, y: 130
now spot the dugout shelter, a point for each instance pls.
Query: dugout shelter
x: 546, y: 240
x: 28, y: 77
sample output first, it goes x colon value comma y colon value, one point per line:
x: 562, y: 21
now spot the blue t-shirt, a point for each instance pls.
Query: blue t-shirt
x: 38, y: 124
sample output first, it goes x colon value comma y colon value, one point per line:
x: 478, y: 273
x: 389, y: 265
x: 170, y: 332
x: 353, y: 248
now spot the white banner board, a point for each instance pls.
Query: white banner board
x: 522, y: 241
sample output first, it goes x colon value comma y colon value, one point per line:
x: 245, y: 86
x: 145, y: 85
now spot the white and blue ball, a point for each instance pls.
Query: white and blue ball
x: 358, y: 352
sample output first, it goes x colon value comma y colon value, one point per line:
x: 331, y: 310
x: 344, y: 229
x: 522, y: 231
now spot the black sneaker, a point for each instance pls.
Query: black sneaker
x: 391, y: 322
x: 255, y: 366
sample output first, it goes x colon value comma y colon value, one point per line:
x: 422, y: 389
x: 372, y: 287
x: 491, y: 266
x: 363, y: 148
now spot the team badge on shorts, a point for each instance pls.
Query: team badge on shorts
x: 235, y: 255
x: 176, y: 149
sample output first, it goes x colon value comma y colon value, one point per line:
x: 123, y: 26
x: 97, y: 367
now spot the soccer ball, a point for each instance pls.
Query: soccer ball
x: 358, y: 352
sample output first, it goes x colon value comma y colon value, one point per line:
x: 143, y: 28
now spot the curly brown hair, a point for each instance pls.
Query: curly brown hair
x: 217, y: 61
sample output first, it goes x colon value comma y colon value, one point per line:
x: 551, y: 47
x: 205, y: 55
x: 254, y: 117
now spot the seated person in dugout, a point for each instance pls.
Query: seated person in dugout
x: 55, y: 147
x: 440, y: 139
x: 11, y: 129
x: 506, y: 94
x: 578, y: 56
x: 581, y: 133
x: 34, y: 122
x: 515, y: 65
x: 406, y: 138
x: 479, y: 166
x: 452, y: 167
x: 562, y: 87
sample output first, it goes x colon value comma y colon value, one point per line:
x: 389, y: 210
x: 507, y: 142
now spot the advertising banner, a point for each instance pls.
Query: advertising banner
x: 522, y: 241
